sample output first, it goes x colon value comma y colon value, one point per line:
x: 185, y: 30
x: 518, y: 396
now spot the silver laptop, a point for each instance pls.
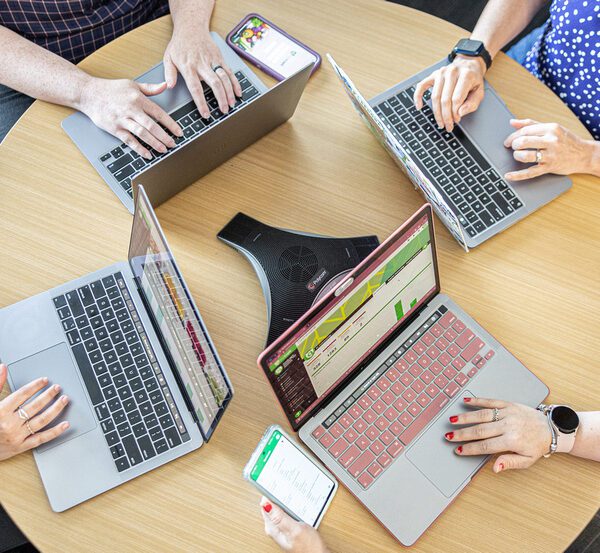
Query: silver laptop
x: 461, y: 172
x: 371, y: 373
x: 205, y: 144
x: 128, y: 346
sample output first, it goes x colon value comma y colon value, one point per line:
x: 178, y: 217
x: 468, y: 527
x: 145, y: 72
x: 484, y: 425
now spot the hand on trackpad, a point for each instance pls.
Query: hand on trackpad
x: 57, y: 364
x: 434, y: 456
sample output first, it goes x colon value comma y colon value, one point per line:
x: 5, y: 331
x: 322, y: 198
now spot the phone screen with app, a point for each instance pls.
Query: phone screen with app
x: 293, y: 479
x: 271, y: 48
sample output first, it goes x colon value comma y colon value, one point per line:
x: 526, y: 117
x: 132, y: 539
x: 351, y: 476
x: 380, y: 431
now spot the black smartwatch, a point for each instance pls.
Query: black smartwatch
x: 471, y: 48
x: 563, y: 423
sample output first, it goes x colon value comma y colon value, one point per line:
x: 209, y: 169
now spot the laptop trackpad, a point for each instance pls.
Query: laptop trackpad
x: 434, y: 456
x: 57, y: 364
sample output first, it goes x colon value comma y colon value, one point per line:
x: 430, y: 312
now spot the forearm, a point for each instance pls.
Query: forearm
x: 39, y: 73
x: 197, y: 12
x: 502, y: 20
x: 587, y: 441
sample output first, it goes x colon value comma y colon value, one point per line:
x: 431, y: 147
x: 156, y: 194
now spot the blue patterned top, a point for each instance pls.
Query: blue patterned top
x: 74, y: 29
x: 566, y: 57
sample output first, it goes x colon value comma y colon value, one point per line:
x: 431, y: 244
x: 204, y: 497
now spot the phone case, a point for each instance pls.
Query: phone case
x: 258, y: 451
x: 254, y: 61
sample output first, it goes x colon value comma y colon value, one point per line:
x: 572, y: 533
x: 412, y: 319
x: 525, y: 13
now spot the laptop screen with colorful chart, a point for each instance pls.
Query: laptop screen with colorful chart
x: 328, y: 346
x: 184, y: 336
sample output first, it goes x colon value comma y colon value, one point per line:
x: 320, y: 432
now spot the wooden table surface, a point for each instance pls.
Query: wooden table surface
x: 535, y: 287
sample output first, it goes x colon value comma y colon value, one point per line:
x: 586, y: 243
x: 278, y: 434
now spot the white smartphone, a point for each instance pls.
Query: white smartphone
x: 290, y: 477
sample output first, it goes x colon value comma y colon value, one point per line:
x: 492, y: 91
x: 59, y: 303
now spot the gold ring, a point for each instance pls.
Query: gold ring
x: 31, y: 432
x: 23, y: 414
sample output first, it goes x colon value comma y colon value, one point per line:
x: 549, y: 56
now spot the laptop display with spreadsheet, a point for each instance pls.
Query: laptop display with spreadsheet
x: 176, y: 318
x: 332, y: 345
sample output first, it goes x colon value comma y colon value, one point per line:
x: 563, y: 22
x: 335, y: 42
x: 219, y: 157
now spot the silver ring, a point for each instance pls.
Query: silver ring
x: 495, y: 417
x: 216, y: 66
x: 31, y: 432
x: 538, y: 156
x: 23, y: 414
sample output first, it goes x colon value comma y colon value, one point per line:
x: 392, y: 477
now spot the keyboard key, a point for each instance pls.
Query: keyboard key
x: 377, y: 447
x: 365, y: 480
x: 172, y: 436
x: 395, y: 448
x: 424, y: 419
x: 133, y: 453
x: 349, y: 456
x: 326, y: 441
x: 451, y: 389
x: 87, y: 373
x: 469, y: 352
x: 336, y: 430
x: 365, y: 459
x: 338, y: 447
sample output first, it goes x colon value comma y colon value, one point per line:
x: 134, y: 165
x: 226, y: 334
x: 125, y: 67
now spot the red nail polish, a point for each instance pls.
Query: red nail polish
x: 466, y: 399
x: 454, y: 418
x: 501, y: 465
x: 267, y: 507
x: 449, y: 435
x: 459, y: 449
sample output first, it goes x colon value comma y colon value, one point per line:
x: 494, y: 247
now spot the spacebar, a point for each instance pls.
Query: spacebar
x: 85, y: 368
x: 423, y: 419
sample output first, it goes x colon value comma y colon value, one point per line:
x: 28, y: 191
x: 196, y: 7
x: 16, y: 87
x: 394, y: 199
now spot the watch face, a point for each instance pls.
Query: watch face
x: 469, y: 47
x: 565, y: 419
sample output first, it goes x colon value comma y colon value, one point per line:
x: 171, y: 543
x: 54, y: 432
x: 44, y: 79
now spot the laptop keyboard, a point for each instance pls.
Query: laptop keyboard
x: 371, y: 428
x: 125, y: 164
x: 480, y: 197
x: 131, y: 398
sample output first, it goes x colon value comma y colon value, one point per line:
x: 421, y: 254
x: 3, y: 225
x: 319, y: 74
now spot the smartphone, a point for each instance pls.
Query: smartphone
x: 269, y: 48
x: 290, y: 477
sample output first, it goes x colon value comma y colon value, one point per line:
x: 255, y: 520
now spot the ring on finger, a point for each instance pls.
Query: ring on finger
x: 538, y: 156
x: 23, y: 414
x: 215, y: 67
x: 31, y: 432
x: 495, y: 417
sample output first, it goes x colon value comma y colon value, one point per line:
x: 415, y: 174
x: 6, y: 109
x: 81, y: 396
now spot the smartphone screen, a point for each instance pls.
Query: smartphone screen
x: 271, y: 47
x: 290, y: 477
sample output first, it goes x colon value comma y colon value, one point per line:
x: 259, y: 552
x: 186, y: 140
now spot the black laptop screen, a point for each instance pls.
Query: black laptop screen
x: 321, y: 354
x: 176, y: 318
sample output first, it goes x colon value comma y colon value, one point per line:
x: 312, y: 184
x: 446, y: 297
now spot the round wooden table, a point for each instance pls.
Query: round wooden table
x: 535, y: 287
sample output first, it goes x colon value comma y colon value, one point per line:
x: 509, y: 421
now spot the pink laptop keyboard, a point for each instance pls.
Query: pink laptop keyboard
x: 389, y: 410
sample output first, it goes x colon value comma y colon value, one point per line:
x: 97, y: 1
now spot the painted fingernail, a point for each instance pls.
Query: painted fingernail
x: 459, y: 449
x: 267, y: 507
x: 449, y: 435
x: 454, y: 418
x: 501, y: 466
x: 65, y: 399
x: 466, y: 399
x: 65, y: 425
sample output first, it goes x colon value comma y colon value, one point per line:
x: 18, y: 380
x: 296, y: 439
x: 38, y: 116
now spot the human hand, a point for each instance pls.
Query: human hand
x: 15, y: 436
x: 193, y: 53
x: 562, y: 151
x: 289, y: 534
x: 122, y: 108
x: 521, y: 431
x: 458, y: 89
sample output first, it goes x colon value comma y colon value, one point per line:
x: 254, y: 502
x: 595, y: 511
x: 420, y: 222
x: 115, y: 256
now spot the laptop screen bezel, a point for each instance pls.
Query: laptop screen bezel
x: 206, y: 434
x: 331, y: 300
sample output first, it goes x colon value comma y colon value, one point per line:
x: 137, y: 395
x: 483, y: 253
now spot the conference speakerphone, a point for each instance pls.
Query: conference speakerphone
x: 295, y: 269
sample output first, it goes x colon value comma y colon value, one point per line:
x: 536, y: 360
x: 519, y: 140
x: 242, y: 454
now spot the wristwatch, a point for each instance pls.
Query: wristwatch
x: 472, y: 48
x: 563, y: 423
